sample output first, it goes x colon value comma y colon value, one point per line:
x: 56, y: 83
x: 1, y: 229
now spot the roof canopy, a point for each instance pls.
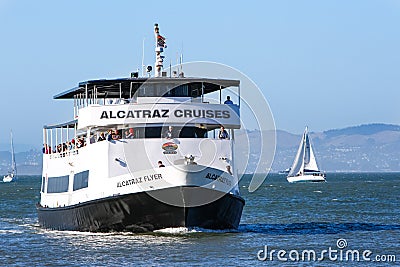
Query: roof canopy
x: 126, y: 87
x: 69, y: 124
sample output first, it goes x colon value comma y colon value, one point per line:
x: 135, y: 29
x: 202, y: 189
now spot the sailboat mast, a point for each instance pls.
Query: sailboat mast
x: 304, y: 151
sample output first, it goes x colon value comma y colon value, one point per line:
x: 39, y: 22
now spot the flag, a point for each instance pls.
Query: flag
x: 161, y: 41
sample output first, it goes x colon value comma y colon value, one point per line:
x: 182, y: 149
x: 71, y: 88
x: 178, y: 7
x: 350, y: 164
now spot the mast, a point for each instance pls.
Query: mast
x: 160, y: 45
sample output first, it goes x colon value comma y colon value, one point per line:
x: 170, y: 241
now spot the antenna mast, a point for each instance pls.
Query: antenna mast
x: 143, y: 66
x: 160, y: 45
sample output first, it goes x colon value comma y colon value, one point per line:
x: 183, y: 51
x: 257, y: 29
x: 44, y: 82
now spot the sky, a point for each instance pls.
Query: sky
x: 326, y: 64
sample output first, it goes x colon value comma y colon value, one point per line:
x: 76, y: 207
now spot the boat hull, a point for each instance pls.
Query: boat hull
x: 141, y: 212
x: 306, y: 178
x: 8, y: 178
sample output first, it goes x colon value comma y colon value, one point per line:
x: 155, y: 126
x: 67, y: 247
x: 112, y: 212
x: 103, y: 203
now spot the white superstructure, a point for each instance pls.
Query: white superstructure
x: 74, y: 173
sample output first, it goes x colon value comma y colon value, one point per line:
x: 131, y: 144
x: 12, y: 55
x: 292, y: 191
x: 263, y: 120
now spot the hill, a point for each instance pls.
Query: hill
x: 370, y: 147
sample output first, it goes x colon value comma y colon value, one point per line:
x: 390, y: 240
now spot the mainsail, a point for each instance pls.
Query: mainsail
x: 310, y: 163
x: 298, y: 163
x: 13, y: 165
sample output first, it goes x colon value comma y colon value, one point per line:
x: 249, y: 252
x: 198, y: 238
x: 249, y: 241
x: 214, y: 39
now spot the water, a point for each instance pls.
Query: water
x: 363, y: 209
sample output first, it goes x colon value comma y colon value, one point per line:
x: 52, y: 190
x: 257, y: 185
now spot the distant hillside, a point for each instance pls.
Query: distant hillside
x: 371, y: 147
x: 365, y: 129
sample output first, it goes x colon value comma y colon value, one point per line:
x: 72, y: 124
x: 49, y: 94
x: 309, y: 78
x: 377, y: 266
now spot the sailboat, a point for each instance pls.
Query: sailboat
x: 12, y: 175
x: 304, y: 167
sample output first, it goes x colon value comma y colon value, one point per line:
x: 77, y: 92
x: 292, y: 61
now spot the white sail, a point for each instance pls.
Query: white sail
x: 298, y: 163
x: 310, y: 163
x: 13, y: 165
x: 13, y: 173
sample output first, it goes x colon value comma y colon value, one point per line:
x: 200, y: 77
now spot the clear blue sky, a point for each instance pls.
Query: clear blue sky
x: 326, y: 64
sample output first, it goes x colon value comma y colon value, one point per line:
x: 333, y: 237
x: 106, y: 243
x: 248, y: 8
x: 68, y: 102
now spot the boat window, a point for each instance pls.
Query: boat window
x: 160, y: 132
x: 81, y: 180
x: 152, y: 132
x: 200, y: 132
x: 146, y: 90
x: 186, y: 132
x: 43, y: 184
x: 58, y: 184
x: 192, y: 132
x: 181, y: 90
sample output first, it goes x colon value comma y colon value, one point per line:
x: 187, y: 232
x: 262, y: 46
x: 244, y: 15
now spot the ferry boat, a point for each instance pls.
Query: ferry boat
x: 141, y: 154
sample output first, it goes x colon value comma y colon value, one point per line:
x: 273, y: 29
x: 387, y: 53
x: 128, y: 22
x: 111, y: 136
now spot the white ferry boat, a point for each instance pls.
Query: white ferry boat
x: 142, y: 154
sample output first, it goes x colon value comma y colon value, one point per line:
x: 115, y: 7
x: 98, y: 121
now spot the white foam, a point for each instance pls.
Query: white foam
x: 174, y: 230
x: 11, y: 231
x: 186, y: 230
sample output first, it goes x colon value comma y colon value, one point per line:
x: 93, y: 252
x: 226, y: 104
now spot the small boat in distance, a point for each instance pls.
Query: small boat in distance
x: 284, y: 171
x: 304, y: 167
x: 12, y: 175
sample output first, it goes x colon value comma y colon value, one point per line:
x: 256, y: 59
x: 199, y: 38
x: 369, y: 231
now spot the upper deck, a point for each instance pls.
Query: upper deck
x: 127, y: 88
x: 124, y: 97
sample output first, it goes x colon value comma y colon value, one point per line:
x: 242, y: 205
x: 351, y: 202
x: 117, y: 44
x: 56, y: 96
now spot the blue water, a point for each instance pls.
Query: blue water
x: 363, y: 209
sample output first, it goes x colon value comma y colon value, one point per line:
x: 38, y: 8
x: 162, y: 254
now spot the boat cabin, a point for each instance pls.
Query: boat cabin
x: 130, y: 108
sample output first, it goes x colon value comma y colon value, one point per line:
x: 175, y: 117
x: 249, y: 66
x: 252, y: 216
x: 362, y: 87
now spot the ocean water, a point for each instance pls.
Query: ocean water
x: 351, y: 213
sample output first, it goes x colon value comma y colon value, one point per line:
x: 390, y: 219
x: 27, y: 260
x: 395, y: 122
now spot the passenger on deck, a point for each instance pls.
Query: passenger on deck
x: 92, y: 139
x: 73, y: 145
x: 223, y: 134
x: 46, y: 149
x: 160, y: 164
x: 116, y: 135
x: 228, y: 100
x: 109, y: 135
x: 101, y: 137
x: 168, y: 133
x: 80, y: 142
x: 129, y: 134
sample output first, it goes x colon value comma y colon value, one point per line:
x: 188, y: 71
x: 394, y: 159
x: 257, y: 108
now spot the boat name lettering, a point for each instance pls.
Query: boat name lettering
x: 139, y: 180
x: 165, y: 113
x: 219, y: 178
x: 140, y: 113
x: 201, y: 113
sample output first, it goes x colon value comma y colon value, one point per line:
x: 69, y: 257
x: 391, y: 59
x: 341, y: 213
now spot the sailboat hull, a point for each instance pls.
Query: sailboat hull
x: 306, y: 178
x: 8, y: 178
